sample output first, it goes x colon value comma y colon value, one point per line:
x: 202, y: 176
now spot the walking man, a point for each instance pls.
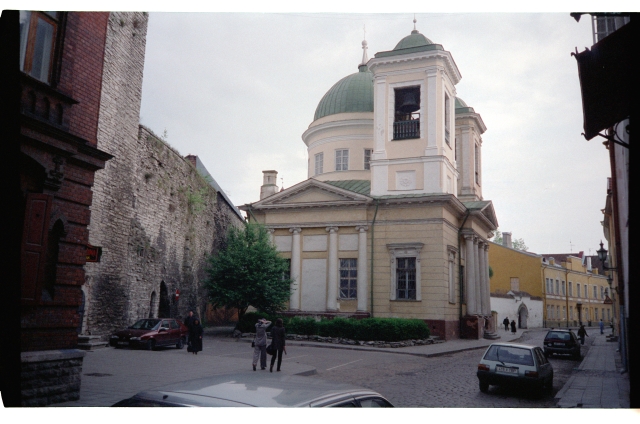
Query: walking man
x: 601, y: 326
x: 506, y: 323
x: 581, y: 333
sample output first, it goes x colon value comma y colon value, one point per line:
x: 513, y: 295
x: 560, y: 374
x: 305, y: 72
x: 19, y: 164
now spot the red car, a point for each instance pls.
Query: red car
x: 150, y: 333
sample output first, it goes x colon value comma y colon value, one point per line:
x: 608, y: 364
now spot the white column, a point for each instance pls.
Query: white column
x: 362, y: 268
x: 332, y: 278
x: 294, y: 299
x: 470, y: 275
x: 432, y: 106
x: 477, y: 276
x: 486, y: 279
x: 482, y: 280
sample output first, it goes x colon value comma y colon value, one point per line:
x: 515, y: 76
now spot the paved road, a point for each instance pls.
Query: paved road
x: 112, y: 374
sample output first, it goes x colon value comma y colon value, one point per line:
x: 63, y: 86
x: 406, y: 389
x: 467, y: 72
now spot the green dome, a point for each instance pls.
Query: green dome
x: 415, y: 39
x: 353, y: 93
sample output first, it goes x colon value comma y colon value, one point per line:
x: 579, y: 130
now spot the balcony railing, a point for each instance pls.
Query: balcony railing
x: 406, y: 129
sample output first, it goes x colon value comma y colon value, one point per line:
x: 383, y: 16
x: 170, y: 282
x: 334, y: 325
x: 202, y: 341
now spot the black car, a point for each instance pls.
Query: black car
x: 562, y: 342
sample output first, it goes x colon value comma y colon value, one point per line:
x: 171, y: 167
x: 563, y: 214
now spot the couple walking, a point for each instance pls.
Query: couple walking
x: 260, y: 343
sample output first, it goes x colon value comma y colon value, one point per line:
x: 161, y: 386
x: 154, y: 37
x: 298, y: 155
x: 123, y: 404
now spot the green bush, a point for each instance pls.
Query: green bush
x: 386, y: 329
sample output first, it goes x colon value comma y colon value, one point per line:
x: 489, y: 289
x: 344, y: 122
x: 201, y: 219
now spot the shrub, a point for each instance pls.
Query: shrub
x: 247, y: 324
x: 305, y: 326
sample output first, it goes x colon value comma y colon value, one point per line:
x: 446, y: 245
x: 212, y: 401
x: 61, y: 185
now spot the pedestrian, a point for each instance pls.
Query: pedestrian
x: 188, y: 322
x: 581, y: 333
x: 260, y: 344
x: 506, y: 323
x: 195, y: 337
x: 278, y: 342
x: 513, y: 326
x: 601, y: 326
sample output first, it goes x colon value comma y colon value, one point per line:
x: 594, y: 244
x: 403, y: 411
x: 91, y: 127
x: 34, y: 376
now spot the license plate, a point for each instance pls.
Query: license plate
x: 123, y: 343
x: 558, y: 344
x: 507, y: 369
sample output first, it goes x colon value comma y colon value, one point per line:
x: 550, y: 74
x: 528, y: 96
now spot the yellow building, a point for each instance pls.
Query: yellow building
x: 391, y: 221
x: 574, y: 291
x: 516, y: 291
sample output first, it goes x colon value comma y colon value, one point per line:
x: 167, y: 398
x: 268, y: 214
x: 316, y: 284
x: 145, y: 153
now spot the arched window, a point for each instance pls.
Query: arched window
x: 153, y: 306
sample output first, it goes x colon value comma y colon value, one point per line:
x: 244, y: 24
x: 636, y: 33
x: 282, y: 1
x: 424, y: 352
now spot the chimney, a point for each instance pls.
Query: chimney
x: 269, y: 186
x: 506, y: 240
x: 588, y: 263
x: 552, y: 261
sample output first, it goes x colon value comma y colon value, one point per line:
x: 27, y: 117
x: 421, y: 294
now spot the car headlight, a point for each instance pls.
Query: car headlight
x: 135, y: 338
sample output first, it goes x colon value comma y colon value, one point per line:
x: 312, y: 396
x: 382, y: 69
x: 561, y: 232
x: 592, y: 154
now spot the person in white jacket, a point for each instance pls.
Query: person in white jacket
x: 260, y: 344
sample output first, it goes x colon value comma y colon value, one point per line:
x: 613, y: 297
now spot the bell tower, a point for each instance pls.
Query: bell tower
x: 414, y: 119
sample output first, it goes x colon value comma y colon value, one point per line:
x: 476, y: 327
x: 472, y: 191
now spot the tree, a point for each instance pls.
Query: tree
x: 517, y: 244
x: 248, y: 271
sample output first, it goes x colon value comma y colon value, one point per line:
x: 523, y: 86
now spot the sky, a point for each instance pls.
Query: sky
x: 238, y: 88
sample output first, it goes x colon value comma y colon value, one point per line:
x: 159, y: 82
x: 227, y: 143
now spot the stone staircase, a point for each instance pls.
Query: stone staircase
x: 91, y: 342
x: 490, y: 335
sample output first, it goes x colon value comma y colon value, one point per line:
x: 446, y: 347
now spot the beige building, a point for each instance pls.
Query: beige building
x: 574, y: 291
x: 391, y: 221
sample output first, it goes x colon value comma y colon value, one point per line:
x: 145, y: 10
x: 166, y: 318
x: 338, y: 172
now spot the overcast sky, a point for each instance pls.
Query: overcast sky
x: 239, y: 89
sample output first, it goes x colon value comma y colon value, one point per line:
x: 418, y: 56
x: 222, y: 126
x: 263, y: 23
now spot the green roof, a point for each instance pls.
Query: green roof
x: 415, y: 39
x: 462, y: 107
x: 357, y: 186
x: 353, y: 93
x: 476, y: 205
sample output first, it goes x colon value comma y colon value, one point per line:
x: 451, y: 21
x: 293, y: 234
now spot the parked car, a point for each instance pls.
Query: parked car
x: 563, y: 342
x: 255, y: 389
x: 515, y: 365
x: 151, y: 333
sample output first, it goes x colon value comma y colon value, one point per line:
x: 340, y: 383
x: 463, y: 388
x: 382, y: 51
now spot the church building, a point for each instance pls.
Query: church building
x: 391, y: 221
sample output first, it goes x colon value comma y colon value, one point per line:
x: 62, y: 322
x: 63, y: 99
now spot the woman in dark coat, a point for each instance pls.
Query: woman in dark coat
x: 278, y: 342
x: 195, y: 337
x: 513, y: 326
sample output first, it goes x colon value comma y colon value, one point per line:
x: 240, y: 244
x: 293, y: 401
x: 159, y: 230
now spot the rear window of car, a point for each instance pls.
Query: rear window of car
x: 558, y: 335
x: 511, y: 354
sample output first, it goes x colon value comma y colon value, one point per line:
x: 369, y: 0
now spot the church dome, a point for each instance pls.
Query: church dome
x: 415, y: 39
x: 353, y: 93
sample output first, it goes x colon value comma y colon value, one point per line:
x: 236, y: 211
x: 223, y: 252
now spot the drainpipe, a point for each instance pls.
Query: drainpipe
x: 566, y: 292
x: 372, y: 239
x: 460, y: 272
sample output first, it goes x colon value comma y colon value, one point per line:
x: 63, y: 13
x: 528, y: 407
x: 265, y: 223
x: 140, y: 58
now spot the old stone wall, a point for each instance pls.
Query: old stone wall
x: 154, y: 216
x: 50, y: 376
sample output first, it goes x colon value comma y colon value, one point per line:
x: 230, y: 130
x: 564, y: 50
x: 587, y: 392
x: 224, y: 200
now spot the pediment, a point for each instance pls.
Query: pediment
x: 312, y: 192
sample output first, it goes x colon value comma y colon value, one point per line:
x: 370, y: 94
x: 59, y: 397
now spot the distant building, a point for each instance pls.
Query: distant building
x: 391, y: 221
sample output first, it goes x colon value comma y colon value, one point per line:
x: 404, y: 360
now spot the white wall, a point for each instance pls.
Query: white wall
x: 509, y: 307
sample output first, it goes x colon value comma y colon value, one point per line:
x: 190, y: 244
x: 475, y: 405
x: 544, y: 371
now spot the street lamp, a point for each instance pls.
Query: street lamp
x: 602, y: 255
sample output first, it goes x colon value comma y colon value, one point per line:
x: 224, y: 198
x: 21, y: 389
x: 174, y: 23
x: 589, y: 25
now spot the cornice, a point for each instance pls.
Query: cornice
x: 476, y: 117
x: 337, y: 124
x: 347, y: 138
x: 378, y: 62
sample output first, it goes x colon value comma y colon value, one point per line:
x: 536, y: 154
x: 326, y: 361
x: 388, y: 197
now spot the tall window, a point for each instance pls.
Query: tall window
x: 602, y: 294
x: 342, y: 160
x: 367, y: 158
x: 595, y: 314
x: 406, y: 278
x: 570, y: 312
x: 37, y: 43
x: 564, y: 312
x: 476, y: 156
x: 570, y: 288
x: 595, y: 293
x: 406, y: 122
x: 319, y: 163
x: 578, y: 290
x: 286, y: 274
x: 558, y: 312
x: 447, y: 118
x: 564, y: 289
x: 586, y: 291
x: 557, y: 287
x: 348, y: 278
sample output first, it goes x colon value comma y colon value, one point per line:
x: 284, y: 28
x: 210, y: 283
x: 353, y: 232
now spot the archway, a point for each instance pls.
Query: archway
x: 153, y: 306
x: 523, y: 314
x: 164, y: 309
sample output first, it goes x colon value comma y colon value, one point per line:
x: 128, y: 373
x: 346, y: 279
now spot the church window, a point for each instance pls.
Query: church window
x: 406, y: 278
x: 476, y: 155
x: 348, y: 278
x: 342, y: 160
x: 37, y: 43
x: 319, y: 163
x: 447, y: 118
x: 406, y: 122
x: 367, y: 158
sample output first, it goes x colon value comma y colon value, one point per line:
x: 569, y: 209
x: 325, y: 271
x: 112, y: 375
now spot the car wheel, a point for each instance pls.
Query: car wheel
x: 180, y: 344
x: 151, y: 344
x: 484, y: 386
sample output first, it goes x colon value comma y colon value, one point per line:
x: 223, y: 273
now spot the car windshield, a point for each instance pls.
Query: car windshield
x: 510, y: 354
x: 146, y: 324
x: 558, y: 335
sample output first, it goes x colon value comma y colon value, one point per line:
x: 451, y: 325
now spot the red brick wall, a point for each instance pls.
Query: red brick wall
x: 81, y: 74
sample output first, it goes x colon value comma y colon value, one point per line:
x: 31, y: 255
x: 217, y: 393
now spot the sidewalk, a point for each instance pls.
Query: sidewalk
x: 598, y: 382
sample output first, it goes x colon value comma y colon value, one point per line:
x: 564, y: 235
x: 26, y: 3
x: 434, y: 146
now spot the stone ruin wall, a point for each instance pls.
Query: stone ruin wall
x: 155, y: 218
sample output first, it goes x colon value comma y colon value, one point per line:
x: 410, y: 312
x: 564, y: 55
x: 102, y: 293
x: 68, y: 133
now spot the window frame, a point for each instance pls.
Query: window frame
x: 318, y: 158
x: 402, y: 251
x: 367, y: 159
x: 349, y: 265
x: 343, y: 159
x: 28, y: 50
